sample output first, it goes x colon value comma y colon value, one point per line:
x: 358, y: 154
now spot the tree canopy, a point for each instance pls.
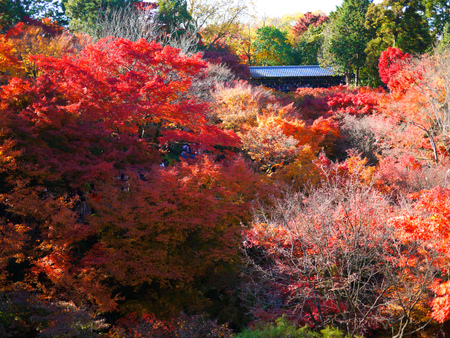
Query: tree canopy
x: 271, y: 47
x: 346, y: 38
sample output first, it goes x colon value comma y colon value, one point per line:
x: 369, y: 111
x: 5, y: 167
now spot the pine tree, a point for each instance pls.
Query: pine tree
x: 346, y: 39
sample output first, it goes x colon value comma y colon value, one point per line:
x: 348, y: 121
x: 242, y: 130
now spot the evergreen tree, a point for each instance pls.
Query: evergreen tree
x: 438, y: 15
x: 444, y: 43
x: 83, y: 14
x: 13, y: 11
x: 401, y: 24
x: 396, y: 23
x: 173, y: 14
x: 346, y: 38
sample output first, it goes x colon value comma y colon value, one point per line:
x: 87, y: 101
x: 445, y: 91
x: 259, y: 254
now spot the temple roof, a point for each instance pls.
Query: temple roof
x: 290, y: 71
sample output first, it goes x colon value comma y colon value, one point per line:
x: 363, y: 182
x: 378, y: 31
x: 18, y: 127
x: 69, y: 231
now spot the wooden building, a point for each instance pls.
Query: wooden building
x: 287, y: 78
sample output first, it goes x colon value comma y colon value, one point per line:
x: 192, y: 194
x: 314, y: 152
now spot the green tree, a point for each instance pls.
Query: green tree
x: 13, y: 11
x: 308, y: 46
x: 444, y: 42
x: 346, y: 38
x: 396, y: 23
x: 401, y: 24
x: 83, y: 14
x: 53, y: 9
x: 438, y: 15
x: 174, y: 15
x: 272, y: 47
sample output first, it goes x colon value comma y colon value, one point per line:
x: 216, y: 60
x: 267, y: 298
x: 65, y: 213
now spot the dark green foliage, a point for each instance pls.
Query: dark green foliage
x: 308, y: 46
x: 13, y: 11
x: 346, y: 39
x: 83, y: 14
x: 283, y: 328
x: 438, y: 15
x: 395, y: 23
x: 272, y: 47
x: 173, y: 15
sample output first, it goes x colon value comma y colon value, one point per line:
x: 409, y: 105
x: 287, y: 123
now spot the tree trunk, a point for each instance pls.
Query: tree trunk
x: 347, y: 78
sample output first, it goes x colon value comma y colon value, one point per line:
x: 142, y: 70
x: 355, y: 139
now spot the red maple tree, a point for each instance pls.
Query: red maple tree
x: 88, y: 212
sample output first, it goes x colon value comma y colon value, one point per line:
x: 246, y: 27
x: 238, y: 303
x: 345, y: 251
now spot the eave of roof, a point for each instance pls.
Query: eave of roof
x: 290, y: 71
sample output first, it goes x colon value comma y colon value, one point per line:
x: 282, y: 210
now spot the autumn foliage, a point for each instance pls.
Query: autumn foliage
x: 307, y: 249
x: 428, y: 223
x: 30, y: 38
x: 81, y: 148
x: 390, y: 65
x: 138, y: 185
x: 306, y: 20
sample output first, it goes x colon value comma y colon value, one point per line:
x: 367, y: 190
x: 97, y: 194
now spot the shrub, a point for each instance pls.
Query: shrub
x: 282, y: 328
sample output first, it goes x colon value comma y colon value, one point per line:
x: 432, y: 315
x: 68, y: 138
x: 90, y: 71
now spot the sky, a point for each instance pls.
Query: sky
x: 278, y: 8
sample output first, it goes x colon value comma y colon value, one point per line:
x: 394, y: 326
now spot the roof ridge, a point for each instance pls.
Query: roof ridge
x: 289, y: 66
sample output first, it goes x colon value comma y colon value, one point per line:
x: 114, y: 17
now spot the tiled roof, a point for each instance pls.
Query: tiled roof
x: 290, y: 71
